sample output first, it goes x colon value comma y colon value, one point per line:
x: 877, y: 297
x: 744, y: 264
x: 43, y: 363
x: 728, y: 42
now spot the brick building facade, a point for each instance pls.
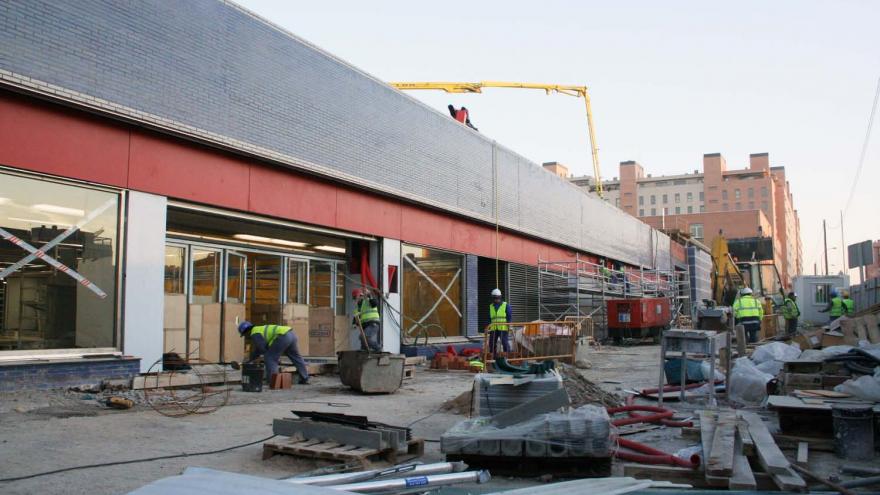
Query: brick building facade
x: 745, y: 203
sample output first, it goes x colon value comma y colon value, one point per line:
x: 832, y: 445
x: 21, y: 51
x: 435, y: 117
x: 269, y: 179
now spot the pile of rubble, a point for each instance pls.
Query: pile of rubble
x: 583, y: 391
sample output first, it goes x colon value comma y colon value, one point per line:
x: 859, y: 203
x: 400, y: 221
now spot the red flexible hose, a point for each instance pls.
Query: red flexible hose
x: 630, y: 400
x: 676, y: 388
x: 653, y: 456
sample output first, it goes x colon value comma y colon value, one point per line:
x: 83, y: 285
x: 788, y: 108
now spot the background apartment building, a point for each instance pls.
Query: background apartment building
x: 753, y: 207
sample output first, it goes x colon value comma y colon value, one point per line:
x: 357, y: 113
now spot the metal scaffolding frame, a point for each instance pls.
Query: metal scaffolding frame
x: 579, y: 288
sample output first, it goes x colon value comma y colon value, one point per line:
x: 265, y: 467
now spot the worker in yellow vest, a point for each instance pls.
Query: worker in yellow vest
x: 791, y: 312
x: 748, y: 312
x: 271, y: 342
x: 849, y: 306
x: 366, y: 315
x: 835, y: 308
x: 499, y: 317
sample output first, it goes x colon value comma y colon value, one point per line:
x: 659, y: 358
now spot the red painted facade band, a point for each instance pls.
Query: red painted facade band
x: 46, y: 138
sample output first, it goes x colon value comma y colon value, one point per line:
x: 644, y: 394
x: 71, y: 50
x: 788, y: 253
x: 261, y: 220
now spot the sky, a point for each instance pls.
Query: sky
x: 669, y: 81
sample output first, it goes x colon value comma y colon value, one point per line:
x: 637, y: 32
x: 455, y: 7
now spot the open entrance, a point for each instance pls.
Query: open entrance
x: 220, y: 271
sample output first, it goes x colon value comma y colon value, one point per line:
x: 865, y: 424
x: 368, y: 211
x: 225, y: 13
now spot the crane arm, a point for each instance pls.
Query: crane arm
x: 477, y: 87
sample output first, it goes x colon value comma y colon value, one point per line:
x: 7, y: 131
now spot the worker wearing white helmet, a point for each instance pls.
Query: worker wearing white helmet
x: 748, y: 312
x: 499, y: 317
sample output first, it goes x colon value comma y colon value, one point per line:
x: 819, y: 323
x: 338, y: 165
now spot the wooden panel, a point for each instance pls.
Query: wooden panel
x: 175, y: 311
x: 210, y: 348
x: 175, y: 341
x: 195, y: 321
x: 301, y: 329
x: 321, y: 332
x: 233, y: 343
x: 342, y: 330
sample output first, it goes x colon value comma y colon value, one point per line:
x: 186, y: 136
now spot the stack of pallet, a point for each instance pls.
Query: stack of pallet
x: 738, y: 449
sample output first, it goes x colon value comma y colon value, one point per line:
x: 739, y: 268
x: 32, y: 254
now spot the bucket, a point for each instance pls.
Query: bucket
x: 252, y: 377
x: 853, y: 431
x: 693, y: 374
x: 371, y: 372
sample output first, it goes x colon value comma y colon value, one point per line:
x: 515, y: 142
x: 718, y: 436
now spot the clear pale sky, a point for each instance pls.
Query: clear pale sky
x: 669, y: 81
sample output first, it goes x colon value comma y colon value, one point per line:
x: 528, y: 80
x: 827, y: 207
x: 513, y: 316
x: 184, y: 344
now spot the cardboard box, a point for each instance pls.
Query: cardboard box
x: 301, y: 329
x: 322, y: 331
x: 832, y: 338
x: 809, y: 340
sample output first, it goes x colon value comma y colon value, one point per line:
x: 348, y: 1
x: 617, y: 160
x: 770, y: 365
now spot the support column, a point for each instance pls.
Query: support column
x: 143, y: 303
x: 391, y: 316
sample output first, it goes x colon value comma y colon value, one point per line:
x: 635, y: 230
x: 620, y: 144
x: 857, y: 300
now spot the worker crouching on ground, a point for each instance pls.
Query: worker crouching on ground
x: 791, y: 312
x: 366, y: 316
x: 271, y: 342
x: 748, y: 312
x: 499, y: 316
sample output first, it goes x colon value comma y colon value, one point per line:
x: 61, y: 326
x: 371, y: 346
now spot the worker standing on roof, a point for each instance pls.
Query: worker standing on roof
x: 499, y: 317
x: 835, y: 308
x: 791, y: 312
x: 270, y: 342
x: 849, y: 306
x: 366, y: 316
x: 748, y: 313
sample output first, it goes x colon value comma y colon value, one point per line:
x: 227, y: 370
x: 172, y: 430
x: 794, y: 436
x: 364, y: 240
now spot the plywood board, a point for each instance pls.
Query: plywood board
x: 174, y: 311
x: 322, y: 331
x: 720, y: 460
x: 194, y: 345
x: 342, y: 330
x: 210, y: 348
x: 293, y: 311
x: 743, y: 478
x: 195, y: 321
x: 233, y: 343
x: 301, y: 329
x: 175, y: 341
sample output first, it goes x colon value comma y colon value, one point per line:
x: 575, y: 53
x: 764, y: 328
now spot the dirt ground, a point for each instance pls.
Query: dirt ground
x: 42, y: 431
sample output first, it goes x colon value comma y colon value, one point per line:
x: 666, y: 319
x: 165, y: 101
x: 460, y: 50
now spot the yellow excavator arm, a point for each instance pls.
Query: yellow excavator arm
x: 477, y: 87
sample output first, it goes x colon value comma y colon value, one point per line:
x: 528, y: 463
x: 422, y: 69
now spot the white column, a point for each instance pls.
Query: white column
x: 391, y: 315
x: 144, y: 272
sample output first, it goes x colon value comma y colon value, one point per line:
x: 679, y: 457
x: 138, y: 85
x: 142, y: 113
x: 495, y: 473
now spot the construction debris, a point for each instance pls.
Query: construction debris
x: 583, y: 391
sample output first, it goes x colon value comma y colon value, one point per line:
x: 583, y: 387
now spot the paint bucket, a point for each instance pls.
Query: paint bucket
x: 853, y: 431
x: 252, y: 377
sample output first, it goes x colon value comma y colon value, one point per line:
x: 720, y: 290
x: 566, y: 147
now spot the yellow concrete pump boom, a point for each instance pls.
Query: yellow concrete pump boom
x: 477, y: 87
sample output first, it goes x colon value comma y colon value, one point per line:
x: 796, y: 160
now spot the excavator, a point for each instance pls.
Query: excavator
x: 729, y: 275
x: 477, y: 87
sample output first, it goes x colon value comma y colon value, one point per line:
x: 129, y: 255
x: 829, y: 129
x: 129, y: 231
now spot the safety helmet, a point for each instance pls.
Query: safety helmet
x: 745, y: 291
x: 834, y: 293
x: 356, y: 293
x: 244, y: 327
x: 496, y: 292
x: 845, y: 293
x: 792, y: 294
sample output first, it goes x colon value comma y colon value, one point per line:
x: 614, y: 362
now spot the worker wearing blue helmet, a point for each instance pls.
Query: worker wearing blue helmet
x: 836, y: 306
x: 271, y: 342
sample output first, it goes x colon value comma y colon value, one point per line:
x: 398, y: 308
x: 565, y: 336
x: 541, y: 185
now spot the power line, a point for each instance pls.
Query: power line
x: 852, y: 190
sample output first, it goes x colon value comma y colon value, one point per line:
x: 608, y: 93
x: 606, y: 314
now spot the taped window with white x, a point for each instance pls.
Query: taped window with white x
x: 58, y: 264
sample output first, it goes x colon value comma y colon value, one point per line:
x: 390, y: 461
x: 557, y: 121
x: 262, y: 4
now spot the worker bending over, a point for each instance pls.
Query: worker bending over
x: 366, y: 316
x: 271, y: 342
x: 791, y: 312
x: 499, y: 317
x: 748, y: 312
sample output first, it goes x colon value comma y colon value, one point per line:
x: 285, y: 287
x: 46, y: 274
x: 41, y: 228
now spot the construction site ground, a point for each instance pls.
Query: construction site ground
x: 44, y: 431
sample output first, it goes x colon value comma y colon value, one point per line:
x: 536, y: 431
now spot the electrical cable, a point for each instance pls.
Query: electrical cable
x: 864, y: 152
x: 134, y: 461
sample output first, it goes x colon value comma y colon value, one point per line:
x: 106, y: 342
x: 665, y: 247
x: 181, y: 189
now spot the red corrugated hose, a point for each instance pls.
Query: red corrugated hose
x: 645, y: 454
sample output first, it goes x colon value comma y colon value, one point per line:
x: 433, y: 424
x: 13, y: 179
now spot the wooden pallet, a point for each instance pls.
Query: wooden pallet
x: 333, y: 451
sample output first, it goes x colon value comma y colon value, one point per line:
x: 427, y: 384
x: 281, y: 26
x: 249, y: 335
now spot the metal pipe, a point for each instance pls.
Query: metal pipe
x: 873, y: 480
x: 433, y: 481
x: 859, y: 470
x: 404, y: 469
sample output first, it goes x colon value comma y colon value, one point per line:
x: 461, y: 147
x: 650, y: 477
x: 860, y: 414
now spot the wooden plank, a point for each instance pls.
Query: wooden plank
x: 745, y: 438
x: 416, y: 360
x: 707, y: 434
x: 666, y: 473
x: 720, y: 461
x: 178, y: 379
x: 790, y: 481
x: 742, y: 478
x: 802, y: 453
x: 771, y: 458
x: 815, y: 443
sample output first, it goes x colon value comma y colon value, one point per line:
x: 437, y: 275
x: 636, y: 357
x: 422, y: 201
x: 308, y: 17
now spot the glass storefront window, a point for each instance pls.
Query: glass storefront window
x: 320, y: 284
x: 432, y: 291
x: 65, y: 296
x: 174, y: 272
x: 296, y: 281
x: 235, y: 273
x: 206, y: 276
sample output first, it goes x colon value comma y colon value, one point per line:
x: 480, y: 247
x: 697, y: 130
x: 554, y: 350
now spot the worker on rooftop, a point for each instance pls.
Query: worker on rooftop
x: 748, y: 312
x: 499, y: 315
x: 836, y: 306
x: 271, y: 342
x: 791, y: 312
x: 366, y: 316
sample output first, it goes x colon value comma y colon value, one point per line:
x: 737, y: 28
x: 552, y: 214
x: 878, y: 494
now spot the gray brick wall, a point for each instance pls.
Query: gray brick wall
x: 63, y: 374
x: 210, y: 66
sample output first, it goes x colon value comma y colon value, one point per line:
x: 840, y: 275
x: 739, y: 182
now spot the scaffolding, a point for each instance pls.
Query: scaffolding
x: 578, y: 288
